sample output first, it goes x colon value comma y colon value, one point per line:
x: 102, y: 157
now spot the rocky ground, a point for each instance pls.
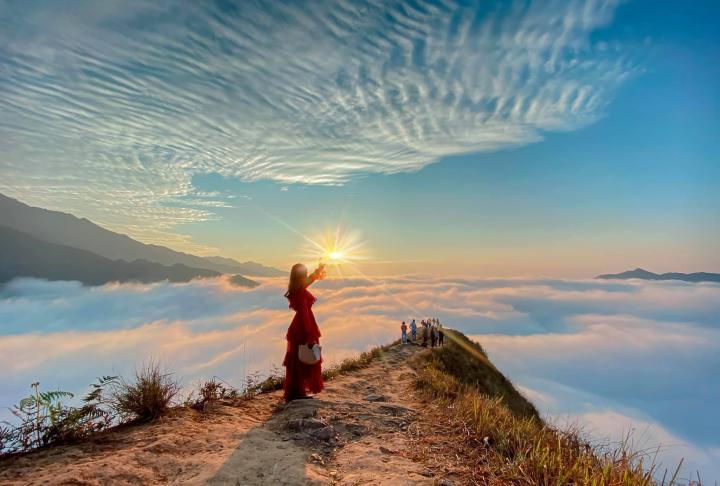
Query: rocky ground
x: 363, y: 429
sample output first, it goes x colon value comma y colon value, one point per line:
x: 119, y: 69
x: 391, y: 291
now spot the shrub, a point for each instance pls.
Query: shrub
x: 273, y: 382
x: 210, y: 392
x: 45, y: 420
x: 148, y: 397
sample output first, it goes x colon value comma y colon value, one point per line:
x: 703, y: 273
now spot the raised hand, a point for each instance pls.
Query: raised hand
x: 321, y: 272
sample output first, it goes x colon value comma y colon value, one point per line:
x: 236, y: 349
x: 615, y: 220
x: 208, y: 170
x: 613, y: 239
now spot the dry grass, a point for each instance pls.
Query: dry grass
x: 210, y: 393
x: 148, y: 396
x: 509, y: 443
x: 359, y: 362
x: 275, y: 380
x: 44, y: 420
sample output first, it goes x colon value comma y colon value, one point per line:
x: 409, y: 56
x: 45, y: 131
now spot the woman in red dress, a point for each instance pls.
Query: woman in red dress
x: 299, y: 377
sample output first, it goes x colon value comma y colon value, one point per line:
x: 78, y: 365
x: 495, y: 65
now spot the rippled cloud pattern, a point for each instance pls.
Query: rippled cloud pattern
x: 108, y: 109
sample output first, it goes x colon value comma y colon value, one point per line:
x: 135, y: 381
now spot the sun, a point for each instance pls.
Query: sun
x: 337, y: 246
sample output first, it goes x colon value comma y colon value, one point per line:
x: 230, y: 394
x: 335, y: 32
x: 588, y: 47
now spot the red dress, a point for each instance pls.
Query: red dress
x: 299, y: 377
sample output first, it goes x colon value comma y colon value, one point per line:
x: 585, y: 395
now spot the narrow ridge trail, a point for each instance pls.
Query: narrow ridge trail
x: 356, y: 432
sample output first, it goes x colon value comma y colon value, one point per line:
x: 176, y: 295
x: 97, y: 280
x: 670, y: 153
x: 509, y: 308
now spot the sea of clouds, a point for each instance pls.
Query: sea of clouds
x: 612, y: 356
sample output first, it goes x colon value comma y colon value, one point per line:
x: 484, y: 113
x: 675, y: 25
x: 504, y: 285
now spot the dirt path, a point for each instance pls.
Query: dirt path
x: 353, y: 433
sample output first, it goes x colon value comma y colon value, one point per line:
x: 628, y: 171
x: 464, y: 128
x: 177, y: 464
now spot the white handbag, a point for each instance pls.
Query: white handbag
x: 308, y: 355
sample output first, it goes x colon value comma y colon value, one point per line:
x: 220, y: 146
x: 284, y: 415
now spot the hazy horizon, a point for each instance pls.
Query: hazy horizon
x: 368, y: 266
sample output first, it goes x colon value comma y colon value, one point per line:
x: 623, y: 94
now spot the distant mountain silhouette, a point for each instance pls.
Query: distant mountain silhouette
x: 65, y: 229
x: 645, y: 275
x: 249, y: 268
x: 21, y: 255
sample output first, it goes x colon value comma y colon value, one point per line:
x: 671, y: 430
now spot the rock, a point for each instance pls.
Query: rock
x: 427, y: 473
x: 317, y: 458
x: 325, y: 433
x: 375, y: 398
x: 305, y: 424
x: 445, y: 482
x: 160, y: 447
x: 393, y: 409
x: 357, y: 429
x: 303, y: 408
x: 385, y: 450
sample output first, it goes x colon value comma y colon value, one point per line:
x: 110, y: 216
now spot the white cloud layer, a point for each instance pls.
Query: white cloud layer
x: 612, y: 355
x: 108, y: 109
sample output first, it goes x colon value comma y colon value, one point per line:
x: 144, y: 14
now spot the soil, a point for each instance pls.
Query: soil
x: 363, y: 429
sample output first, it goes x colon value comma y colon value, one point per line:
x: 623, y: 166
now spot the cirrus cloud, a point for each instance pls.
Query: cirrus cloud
x: 127, y: 101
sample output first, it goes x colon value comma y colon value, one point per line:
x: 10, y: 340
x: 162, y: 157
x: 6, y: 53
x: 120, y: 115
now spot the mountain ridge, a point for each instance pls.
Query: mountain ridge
x: 22, y: 255
x: 643, y: 274
x: 66, y: 229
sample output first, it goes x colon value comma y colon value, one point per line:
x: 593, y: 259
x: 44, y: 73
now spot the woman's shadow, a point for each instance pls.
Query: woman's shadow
x: 270, y: 453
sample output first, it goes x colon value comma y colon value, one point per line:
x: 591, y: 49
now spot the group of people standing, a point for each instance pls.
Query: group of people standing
x: 431, y: 331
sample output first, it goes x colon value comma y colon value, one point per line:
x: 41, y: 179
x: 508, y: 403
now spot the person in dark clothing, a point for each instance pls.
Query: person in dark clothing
x: 441, y: 337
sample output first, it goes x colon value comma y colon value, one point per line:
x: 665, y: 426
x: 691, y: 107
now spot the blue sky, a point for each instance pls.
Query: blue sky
x: 553, y: 138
